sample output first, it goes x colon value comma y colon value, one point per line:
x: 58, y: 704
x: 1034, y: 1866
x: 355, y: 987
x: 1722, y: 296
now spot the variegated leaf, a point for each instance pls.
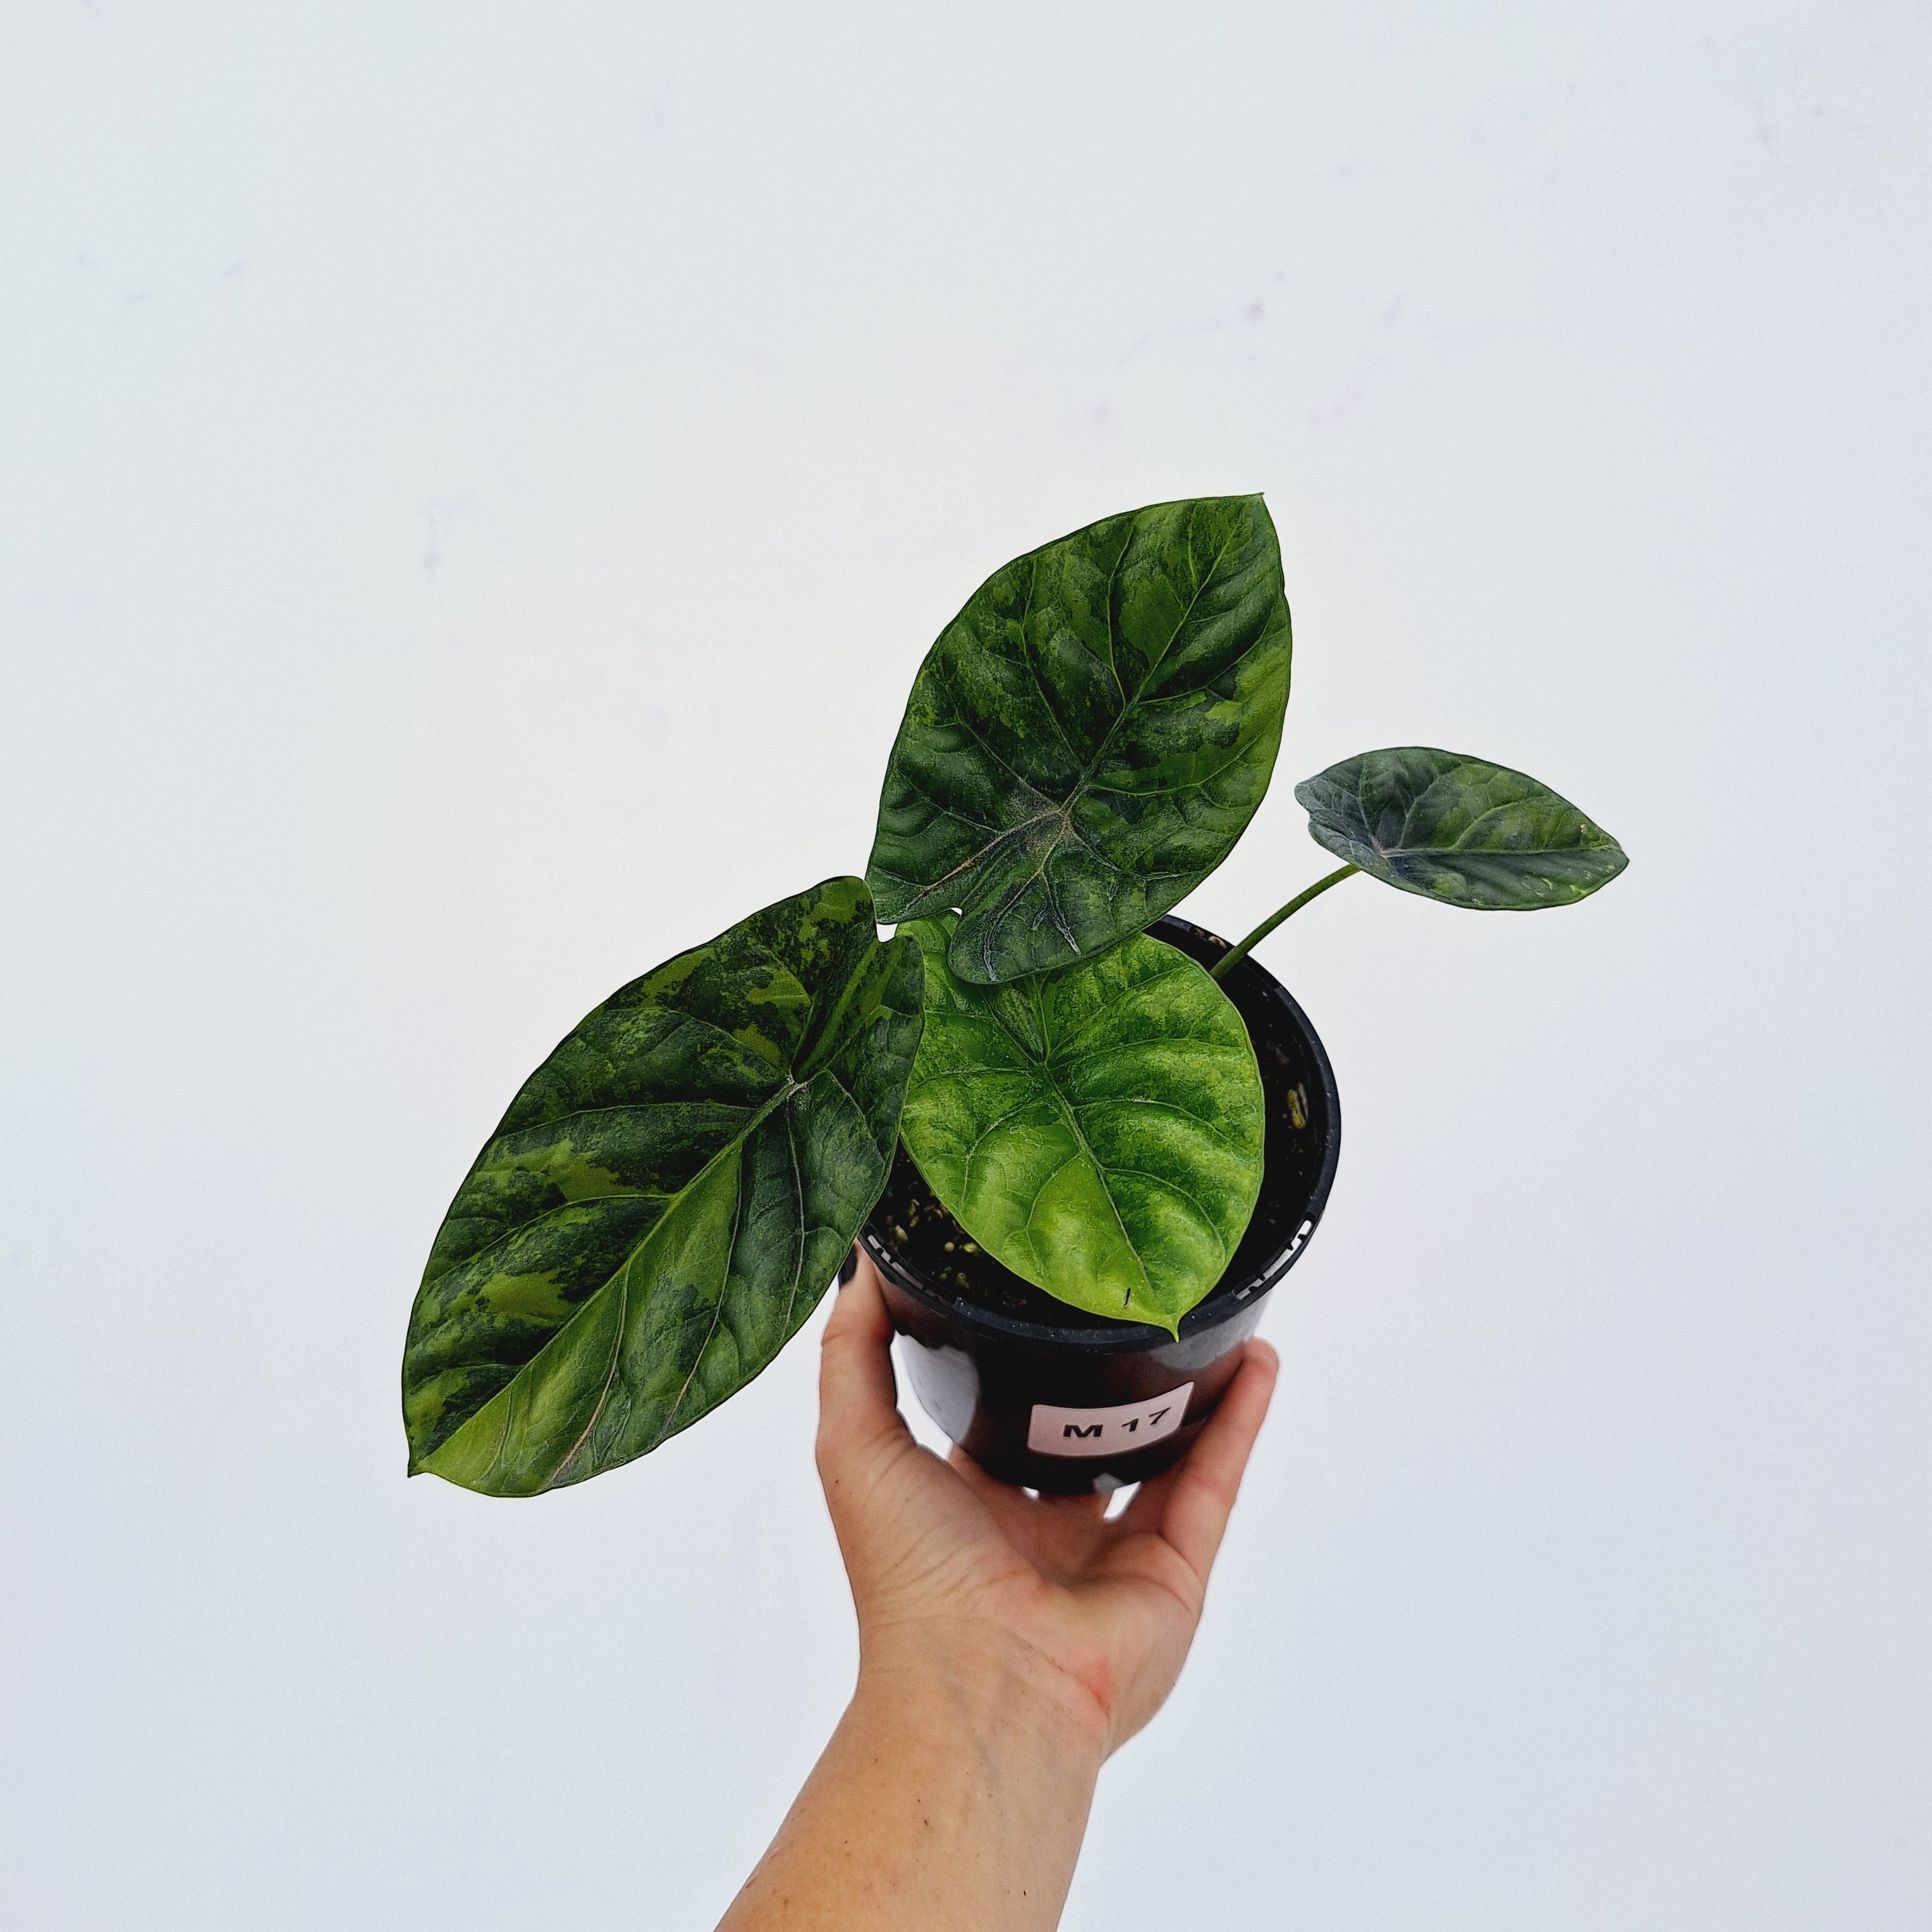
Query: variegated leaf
x: 665, y: 1201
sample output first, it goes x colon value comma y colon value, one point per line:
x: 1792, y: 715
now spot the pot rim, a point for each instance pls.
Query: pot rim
x: 1217, y: 1307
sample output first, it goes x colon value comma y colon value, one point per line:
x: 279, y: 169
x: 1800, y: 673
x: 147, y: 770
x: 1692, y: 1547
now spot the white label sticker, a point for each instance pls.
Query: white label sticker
x: 1106, y: 1432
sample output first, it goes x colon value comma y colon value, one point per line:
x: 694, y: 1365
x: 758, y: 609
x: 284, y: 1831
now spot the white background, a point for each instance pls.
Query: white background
x: 475, y: 483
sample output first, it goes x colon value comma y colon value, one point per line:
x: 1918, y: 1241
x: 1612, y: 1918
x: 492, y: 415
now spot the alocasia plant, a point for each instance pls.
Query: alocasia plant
x: 672, y: 1191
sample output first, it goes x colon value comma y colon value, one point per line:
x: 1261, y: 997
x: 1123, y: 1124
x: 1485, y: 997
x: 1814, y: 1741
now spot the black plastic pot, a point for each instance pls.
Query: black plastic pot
x: 1051, y: 1398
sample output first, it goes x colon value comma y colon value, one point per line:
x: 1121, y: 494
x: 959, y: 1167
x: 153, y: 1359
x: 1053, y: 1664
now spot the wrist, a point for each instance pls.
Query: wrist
x: 985, y: 1689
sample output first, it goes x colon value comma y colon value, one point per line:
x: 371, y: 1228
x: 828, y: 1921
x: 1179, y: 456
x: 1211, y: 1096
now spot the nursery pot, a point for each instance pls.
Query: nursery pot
x: 1051, y: 1398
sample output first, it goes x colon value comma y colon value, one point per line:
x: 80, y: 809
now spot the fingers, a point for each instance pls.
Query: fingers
x: 857, y: 1400
x: 1205, y: 1484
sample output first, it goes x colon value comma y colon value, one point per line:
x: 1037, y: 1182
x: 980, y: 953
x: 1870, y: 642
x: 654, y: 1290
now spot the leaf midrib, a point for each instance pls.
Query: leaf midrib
x: 562, y: 1121
x: 1063, y: 811
x: 1140, y: 689
x: 505, y: 1394
x: 1069, y: 1110
x: 1071, y: 1118
x: 1406, y: 851
x: 1114, y: 1207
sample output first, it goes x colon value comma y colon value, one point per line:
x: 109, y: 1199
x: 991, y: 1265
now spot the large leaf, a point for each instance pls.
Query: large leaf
x: 666, y: 1200
x: 1098, y: 1129
x: 1088, y: 737
x: 1459, y: 830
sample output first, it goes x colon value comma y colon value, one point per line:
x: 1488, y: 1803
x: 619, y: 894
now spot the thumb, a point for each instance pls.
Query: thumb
x: 858, y: 1407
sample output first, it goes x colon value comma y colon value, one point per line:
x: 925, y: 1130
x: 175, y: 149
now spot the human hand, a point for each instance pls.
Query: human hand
x: 950, y: 1568
x: 1007, y: 1644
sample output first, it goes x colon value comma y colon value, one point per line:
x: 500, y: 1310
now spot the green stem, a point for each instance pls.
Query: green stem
x: 1267, y: 925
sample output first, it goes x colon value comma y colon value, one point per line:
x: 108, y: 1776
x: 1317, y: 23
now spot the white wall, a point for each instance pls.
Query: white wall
x: 475, y: 483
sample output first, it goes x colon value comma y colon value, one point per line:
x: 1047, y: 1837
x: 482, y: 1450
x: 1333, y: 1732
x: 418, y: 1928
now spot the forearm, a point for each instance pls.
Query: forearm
x: 953, y: 1795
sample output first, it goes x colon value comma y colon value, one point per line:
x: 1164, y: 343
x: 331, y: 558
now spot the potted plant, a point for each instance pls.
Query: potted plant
x: 1081, y: 1139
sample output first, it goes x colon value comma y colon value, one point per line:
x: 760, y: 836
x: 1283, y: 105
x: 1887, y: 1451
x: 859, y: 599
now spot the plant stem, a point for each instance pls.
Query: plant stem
x: 1267, y: 925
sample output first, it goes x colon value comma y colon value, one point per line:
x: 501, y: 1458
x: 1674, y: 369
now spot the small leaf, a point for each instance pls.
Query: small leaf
x: 1099, y: 1128
x: 666, y: 1200
x: 1088, y: 737
x: 1459, y: 830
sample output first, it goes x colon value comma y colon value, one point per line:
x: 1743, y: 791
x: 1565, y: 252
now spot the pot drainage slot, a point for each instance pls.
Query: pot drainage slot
x: 1287, y: 1255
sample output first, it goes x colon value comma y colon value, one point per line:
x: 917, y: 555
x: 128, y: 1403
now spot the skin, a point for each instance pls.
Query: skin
x: 1008, y: 1644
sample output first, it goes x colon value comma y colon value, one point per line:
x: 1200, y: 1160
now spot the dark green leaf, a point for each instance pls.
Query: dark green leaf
x: 1088, y: 737
x: 1097, y: 1129
x: 1459, y: 830
x: 666, y: 1200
